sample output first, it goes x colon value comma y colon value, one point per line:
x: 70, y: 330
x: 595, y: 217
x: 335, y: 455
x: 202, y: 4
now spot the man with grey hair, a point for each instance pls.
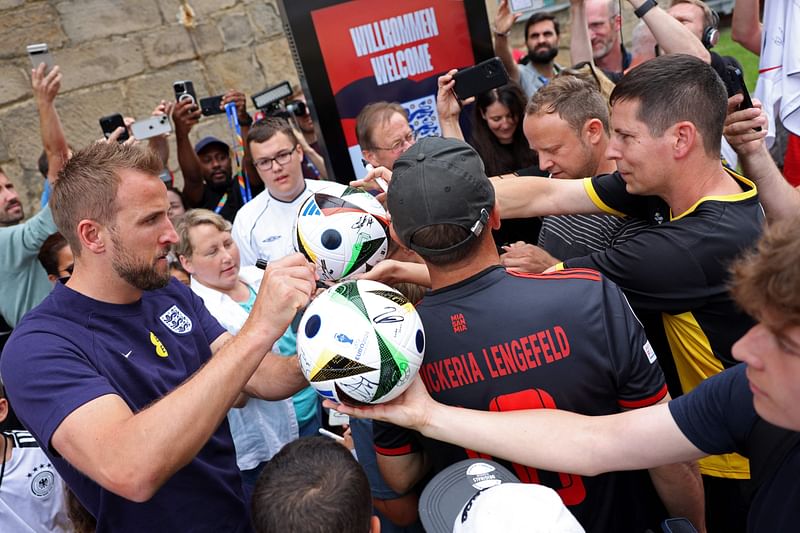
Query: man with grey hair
x: 604, y: 22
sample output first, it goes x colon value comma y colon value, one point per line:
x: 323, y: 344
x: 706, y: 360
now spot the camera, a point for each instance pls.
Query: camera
x: 297, y: 108
x: 269, y: 100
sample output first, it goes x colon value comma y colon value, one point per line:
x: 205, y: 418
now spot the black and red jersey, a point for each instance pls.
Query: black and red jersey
x: 501, y: 341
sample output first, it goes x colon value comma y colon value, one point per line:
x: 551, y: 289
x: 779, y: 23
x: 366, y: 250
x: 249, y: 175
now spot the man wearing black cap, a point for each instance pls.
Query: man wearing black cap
x: 207, y: 171
x: 500, y: 341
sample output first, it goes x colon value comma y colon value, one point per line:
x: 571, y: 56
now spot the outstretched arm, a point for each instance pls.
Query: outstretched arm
x: 45, y: 90
x: 580, y: 45
x: 671, y: 35
x: 185, y: 115
x: 448, y: 107
x: 528, y: 196
x: 584, y: 445
x: 746, y: 26
x: 159, y: 144
x: 503, y: 22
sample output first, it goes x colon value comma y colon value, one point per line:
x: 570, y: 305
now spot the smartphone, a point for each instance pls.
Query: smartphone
x: 737, y: 85
x: 112, y: 122
x: 480, y: 78
x: 151, y: 127
x: 184, y: 90
x: 39, y: 53
x: 211, y: 105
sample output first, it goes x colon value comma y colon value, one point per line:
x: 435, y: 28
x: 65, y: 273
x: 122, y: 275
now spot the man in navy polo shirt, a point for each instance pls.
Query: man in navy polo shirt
x: 123, y: 377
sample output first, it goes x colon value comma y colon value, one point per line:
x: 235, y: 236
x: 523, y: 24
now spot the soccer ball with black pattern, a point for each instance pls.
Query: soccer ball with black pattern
x: 360, y: 342
x: 343, y: 230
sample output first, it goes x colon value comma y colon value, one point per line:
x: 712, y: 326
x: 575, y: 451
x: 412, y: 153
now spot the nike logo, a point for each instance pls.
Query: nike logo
x: 126, y: 355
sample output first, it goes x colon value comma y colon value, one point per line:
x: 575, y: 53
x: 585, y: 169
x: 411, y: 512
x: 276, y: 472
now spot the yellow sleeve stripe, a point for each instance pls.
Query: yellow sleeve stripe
x: 600, y: 204
x: 559, y: 266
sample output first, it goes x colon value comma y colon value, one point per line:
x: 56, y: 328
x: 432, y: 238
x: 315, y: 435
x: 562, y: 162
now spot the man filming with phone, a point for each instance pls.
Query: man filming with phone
x: 207, y: 168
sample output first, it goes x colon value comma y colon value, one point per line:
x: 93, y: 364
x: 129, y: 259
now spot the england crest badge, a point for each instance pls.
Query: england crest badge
x: 176, y: 320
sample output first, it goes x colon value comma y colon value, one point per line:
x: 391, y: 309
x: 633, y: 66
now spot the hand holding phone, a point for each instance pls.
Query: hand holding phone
x: 39, y: 53
x: 480, y: 78
x: 110, y: 123
x: 736, y: 86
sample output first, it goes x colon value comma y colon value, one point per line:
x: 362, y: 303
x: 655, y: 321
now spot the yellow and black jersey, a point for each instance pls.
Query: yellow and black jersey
x: 677, y: 271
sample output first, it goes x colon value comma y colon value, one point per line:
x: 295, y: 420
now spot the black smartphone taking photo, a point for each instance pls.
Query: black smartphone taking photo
x: 737, y: 86
x: 211, y: 105
x: 110, y: 123
x: 184, y: 90
x: 480, y: 78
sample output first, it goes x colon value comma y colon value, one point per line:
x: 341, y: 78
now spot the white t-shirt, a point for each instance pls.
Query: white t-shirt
x: 263, y: 227
x: 778, y: 85
x: 32, y: 493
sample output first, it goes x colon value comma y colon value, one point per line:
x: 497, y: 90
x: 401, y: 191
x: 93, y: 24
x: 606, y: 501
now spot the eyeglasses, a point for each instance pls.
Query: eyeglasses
x: 66, y: 272
x: 282, y: 159
x: 397, y: 146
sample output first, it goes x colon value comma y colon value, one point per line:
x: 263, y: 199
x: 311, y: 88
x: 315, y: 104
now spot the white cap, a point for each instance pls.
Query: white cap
x: 480, y: 495
x: 516, y: 508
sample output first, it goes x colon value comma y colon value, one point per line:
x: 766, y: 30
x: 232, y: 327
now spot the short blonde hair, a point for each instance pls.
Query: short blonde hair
x: 192, y: 219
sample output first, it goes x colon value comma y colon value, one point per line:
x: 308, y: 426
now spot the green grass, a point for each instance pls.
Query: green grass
x: 749, y: 61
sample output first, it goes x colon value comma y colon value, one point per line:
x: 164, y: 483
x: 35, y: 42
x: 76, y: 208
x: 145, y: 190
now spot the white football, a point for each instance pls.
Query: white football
x: 343, y: 230
x: 360, y: 342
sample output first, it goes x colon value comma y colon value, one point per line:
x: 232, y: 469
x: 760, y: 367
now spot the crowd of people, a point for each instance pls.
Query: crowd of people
x: 610, y: 267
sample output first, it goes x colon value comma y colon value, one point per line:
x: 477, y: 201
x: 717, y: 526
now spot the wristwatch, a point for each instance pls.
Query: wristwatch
x: 644, y: 8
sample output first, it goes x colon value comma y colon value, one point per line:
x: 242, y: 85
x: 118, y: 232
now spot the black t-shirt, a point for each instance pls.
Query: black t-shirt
x: 678, y: 268
x: 719, y: 417
x: 226, y: 202
x: 520, y: 229
x: 501, y: 341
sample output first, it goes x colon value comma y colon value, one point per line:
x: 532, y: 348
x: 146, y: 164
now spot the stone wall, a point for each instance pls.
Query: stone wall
x: 122, y: 56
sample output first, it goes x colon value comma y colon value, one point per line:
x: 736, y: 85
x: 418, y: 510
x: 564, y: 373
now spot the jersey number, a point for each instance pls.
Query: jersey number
x: 572, y: 490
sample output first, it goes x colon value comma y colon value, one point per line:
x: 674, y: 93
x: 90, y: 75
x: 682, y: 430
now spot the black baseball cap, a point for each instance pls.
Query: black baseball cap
x: 439, y: 181
x: 205, y: 142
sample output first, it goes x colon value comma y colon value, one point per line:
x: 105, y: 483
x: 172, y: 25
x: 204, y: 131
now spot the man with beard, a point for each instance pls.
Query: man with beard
x: 207, y: 171
x: 23, y: 281
x: 113, y: 373
x: 541, y: 38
